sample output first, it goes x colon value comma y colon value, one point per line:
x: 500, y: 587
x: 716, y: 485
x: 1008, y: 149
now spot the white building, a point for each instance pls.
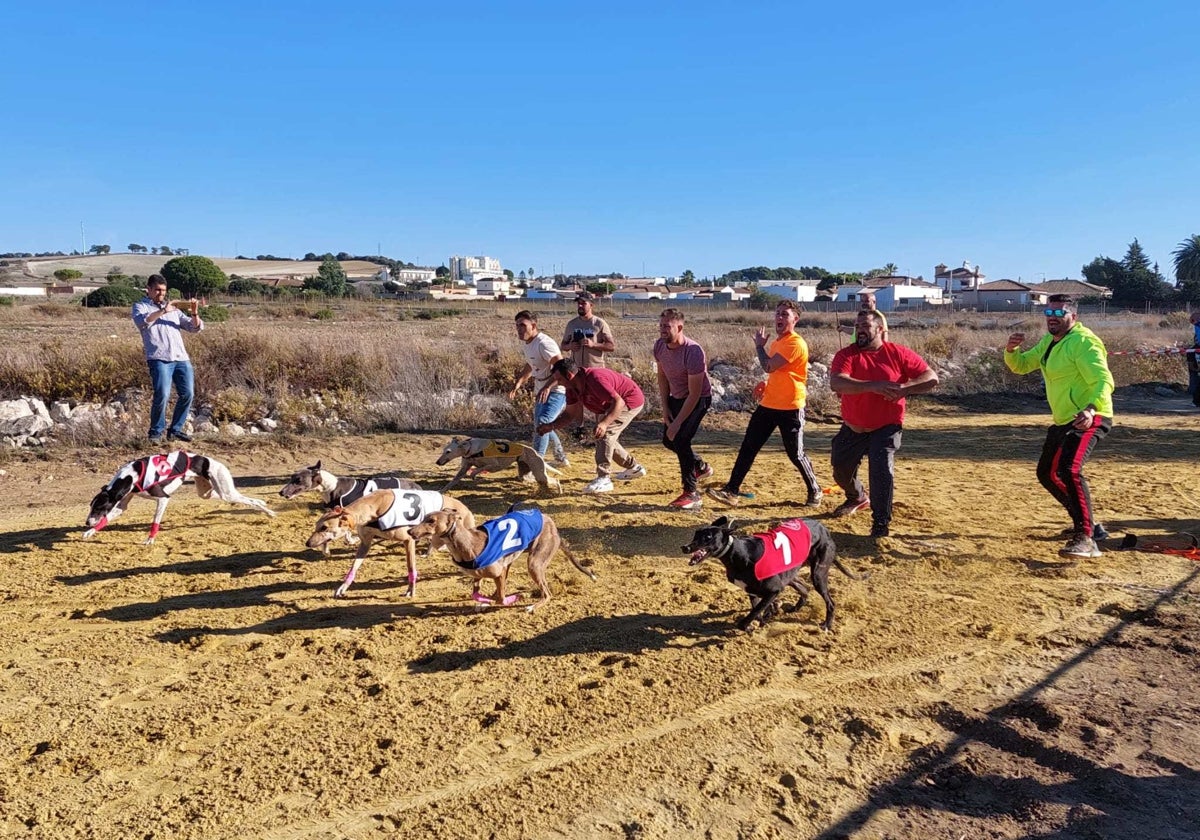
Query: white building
x: 800, y: 292
x: 892, y: 293
x: 471, y: 269
x: 955, y: 280
x: 414, y: 275
x: 493, y: 286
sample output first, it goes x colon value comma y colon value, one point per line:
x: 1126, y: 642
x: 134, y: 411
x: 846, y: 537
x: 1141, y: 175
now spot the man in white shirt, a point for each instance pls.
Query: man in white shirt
x: 548, y: 398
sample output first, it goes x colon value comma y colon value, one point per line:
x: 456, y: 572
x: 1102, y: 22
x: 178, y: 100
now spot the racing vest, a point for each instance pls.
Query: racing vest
x: 408, y: 508
x: 784, y: 547
x: 500, y: 449
x: 508, y: 534
x: 161, y: 469
x: 365, y: 487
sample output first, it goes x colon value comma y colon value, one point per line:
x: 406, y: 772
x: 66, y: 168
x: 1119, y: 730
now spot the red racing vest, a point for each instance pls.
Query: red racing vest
x: 784, y: 547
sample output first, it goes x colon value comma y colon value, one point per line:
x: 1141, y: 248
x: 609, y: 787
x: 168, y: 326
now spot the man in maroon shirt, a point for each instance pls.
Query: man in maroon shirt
x: 615, y: 399
x: 872, y: 376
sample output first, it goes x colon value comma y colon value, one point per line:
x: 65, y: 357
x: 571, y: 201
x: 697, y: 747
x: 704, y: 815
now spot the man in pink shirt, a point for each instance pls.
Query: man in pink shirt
x: 615, y: 399
x: 872, y: 377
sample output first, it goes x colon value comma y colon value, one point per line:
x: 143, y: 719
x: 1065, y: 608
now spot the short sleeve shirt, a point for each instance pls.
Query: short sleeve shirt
x: 787, y: 387
x: 538, y: 352
x: 594, y: 328
x: 678, y: 363
x: 890, y: 363
x: 600, y: 385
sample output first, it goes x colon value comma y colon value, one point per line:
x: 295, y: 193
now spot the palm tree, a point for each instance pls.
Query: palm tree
x: 1187, y: 260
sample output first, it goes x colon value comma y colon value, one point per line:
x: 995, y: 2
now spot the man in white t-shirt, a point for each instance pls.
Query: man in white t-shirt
x: 548, y: 398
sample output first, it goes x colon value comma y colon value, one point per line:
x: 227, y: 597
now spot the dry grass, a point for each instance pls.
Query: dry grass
x: 405, y: 366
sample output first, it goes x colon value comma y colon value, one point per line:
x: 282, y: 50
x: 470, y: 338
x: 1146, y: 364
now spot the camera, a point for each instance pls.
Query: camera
x: 577, y: 335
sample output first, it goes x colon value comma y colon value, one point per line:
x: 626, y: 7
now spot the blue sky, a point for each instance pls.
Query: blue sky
x: 1024, y: 137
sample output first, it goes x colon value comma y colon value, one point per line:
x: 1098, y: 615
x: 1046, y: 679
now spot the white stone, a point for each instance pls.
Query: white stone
x: 233, y: 430
x: 268, y: 425
x: 30, y: 424
x: 14, y: 409
x: 60, y: 411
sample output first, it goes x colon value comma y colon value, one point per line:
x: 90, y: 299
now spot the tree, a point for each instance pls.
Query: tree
x: 65, y: 274
x: 1187, y: 268
x: 687, y: 278
x: 601, y: 289
x: 1141, y: 282
x: 99, y: 249
x: 194, y: 276
x: 508, y: 274
x: 890, y: 269
x: 441, y: 271
x: 164, y: 250
x: 134, y: 248
x: 1104, y: 271
x: 330, y: 279
x: 531, y: 274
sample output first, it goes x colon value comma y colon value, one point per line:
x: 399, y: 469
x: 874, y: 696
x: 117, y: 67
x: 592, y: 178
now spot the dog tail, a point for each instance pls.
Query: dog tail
x: 566, y: 549
x: 848, y: 573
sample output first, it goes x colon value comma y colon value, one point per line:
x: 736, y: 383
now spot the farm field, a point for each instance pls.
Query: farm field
x: 976, y: 685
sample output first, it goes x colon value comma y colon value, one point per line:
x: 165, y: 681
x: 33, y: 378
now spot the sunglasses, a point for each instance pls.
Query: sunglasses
x: 1056, y: 313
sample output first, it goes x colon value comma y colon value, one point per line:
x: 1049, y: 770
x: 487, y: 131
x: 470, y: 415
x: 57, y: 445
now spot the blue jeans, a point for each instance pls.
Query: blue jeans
x: 548, y: 412
x: 162, y: 375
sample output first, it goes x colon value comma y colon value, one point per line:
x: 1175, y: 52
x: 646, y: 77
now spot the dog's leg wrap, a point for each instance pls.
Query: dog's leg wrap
x: 481, y: 598
x: 154, y: 526
x: 412, y: 578
x: 99, y: 526
x: 509, y: 600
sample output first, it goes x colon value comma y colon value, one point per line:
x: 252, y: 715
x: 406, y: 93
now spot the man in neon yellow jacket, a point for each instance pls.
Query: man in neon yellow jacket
x: 1079, y: 388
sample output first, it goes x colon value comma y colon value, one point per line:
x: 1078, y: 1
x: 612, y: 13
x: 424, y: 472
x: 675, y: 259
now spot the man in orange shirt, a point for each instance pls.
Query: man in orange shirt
x: 781, y: 406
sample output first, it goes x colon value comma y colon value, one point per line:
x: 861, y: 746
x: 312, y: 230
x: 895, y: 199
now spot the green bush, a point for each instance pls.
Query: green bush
x: 215, y: 314
x: 7, y: 301
x: 118, y: 295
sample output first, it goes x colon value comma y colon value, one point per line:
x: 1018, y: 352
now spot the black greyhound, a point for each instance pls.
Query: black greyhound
x: 763, y: 565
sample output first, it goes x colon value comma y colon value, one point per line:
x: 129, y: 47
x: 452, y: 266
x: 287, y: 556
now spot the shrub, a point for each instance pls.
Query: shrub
x: 214, y: 313
x: 7, y: 300
x: 65, y: 274
x: 118, y: 295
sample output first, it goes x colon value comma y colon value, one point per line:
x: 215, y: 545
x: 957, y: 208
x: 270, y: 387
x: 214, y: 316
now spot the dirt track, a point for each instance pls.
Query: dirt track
x: 209, y: 687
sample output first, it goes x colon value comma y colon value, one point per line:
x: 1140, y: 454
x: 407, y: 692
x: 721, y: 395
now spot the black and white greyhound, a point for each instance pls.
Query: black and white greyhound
x: 340, y: 492
x: 158, y: 477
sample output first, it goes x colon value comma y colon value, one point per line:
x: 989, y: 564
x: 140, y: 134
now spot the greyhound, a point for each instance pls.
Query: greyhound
x: 484, y: 454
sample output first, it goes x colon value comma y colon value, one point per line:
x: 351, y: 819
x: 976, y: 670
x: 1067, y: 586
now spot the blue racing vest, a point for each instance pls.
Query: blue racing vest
x: 508, y: 534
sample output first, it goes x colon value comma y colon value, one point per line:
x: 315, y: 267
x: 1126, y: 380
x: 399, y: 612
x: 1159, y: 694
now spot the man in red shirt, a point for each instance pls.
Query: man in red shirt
x: 872, y: 377
x: 615, y: 399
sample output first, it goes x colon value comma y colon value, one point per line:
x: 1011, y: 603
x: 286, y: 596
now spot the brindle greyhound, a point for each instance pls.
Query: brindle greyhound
x: 488, y: 551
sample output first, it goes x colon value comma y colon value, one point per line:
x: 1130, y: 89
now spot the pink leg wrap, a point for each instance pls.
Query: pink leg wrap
x: 481, y: 598
x: 153, y: 530
x: 509, y: 600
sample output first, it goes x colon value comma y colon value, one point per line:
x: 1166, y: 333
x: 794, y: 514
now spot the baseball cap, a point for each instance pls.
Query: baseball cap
x: 585, y: 295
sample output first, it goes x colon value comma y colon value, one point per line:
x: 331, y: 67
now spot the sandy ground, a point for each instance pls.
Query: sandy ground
x: 976, y: 685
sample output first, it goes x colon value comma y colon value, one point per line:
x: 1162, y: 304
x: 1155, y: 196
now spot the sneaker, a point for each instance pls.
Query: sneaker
x: 560, y: 461
x: 601, y: 484
x: 1079, y: 546
x: 155, y: 439
x: 878, y: 530
x: 180, y: 436
x: 1099, y: 532
x: 815, y: 500
x: 636, y: 471
x: 705, y: 471
x: 851, y: 507
x: 724, y: 496
x: 688, y: 501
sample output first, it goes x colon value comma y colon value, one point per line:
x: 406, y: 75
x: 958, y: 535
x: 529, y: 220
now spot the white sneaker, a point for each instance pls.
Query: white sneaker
x: 636, y: 471
x: 602, y: 484
x: 561, y: 462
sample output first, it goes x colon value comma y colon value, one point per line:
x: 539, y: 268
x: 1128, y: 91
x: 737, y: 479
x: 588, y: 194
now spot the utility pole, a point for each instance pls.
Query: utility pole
x: 82, y: 240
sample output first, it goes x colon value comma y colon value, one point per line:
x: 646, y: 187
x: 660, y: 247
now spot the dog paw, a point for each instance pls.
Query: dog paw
x: 340, y: 592
x: 149, y: 541
x: 89, y: 533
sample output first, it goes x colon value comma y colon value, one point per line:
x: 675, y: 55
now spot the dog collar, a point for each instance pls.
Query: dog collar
x: 728, y: 545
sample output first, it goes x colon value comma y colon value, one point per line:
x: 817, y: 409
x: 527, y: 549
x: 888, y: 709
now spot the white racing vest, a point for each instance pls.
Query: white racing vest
x: 408, y: 508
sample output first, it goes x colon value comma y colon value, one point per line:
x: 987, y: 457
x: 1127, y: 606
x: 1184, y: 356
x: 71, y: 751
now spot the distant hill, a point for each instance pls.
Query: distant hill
x: 38, y: 269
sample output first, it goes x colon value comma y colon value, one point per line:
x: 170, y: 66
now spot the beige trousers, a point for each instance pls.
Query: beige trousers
x: 609, y: 449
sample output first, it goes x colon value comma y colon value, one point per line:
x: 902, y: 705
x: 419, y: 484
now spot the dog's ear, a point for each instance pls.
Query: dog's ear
x: 722, y: 522
x: 120, y: 487
x: 317, y: 467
